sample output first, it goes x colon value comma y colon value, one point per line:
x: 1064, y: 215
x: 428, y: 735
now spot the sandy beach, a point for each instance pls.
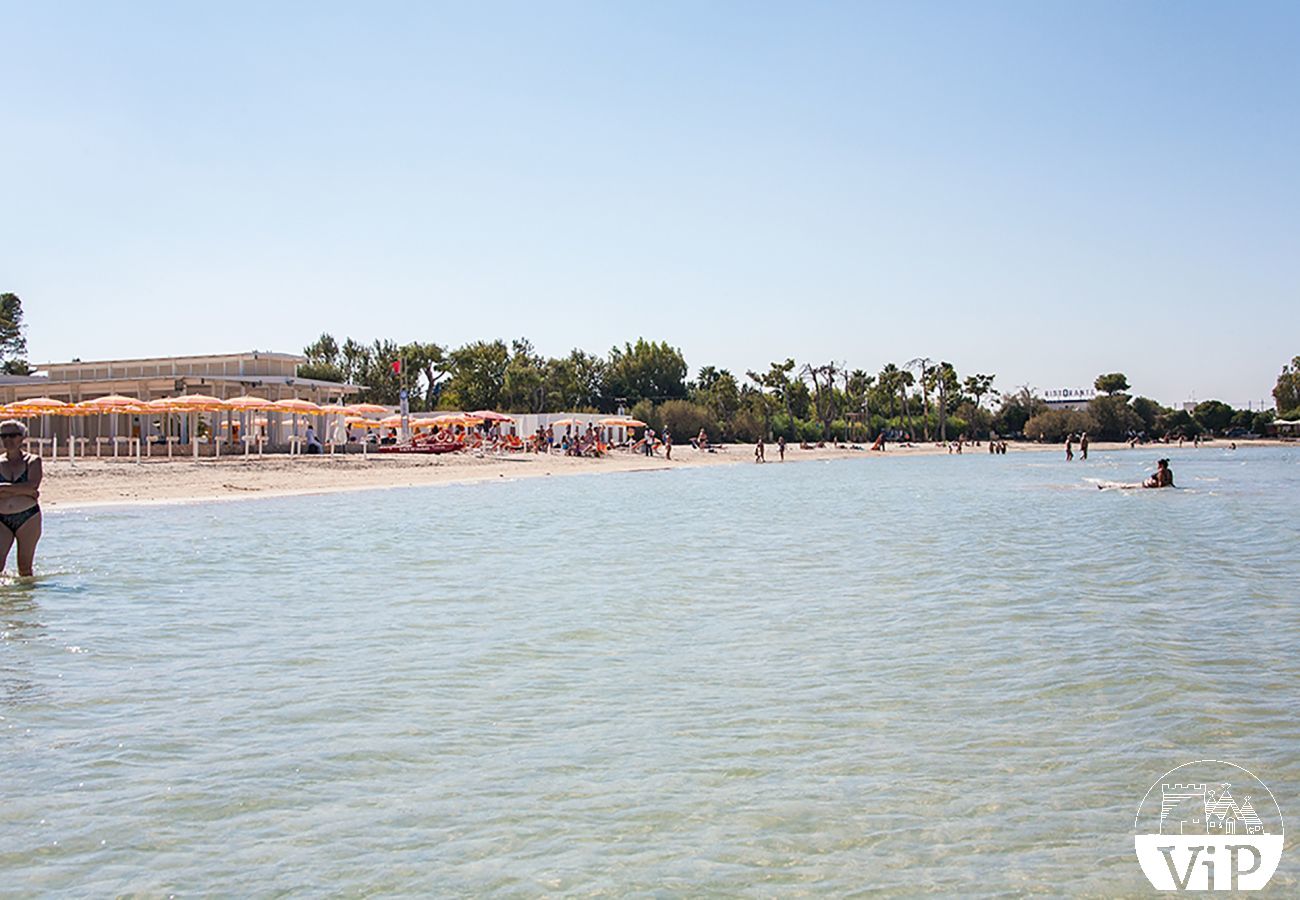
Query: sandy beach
x: 95, y: 482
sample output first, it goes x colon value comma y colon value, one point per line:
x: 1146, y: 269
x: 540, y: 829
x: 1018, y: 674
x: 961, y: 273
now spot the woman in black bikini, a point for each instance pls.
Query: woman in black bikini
x: 20, y: 513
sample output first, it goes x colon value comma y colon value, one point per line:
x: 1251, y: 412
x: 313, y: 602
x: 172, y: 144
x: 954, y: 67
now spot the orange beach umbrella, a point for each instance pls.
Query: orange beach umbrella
x: 39, y: 405
x: 247, y: 401
x: 108, y: 403
x: 294, y: 405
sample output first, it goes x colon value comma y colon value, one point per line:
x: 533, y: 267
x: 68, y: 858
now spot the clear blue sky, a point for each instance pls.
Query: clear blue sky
x: 1041, y: 190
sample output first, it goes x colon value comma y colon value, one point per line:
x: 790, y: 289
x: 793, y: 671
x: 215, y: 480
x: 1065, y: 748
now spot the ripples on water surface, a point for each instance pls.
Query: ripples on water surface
x: 950, y: 675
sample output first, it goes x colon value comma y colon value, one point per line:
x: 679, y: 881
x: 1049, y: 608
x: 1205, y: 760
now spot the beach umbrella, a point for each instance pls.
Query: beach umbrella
x: 368, y: 409
x: 567, y: 422
x: 247, y: 403
x: 48, y: 404
x: 39, y: 406
x: 111, y: 401
x: 393, y: 421
x: 488, y: 415
x: 296, y: 407
x: 111, y: 404
x: 195, y: 404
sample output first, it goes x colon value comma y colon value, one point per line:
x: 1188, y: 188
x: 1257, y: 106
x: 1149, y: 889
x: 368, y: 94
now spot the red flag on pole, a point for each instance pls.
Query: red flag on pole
x: 397, y: 367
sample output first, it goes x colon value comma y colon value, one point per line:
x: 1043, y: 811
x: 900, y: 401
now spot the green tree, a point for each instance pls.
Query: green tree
x: 354, y: 359
x: 382, y: 384
x: 574, y: 383
x: 427, y: 366
x: 1148, y: 411
x: 978, y: 387
x: 717, y: 391
x: 826, y: 400
x: 524, y: 386
x: 1112, y: 383
x: 1116, y: 420
x: 1177, y: 422
x: 1017, y: 409
x: 644, y: 371
x: 1213, y: 415
x: 947, y: 387
x: 1286, y: 394
x: 479, y: 374
x: 13, y: 336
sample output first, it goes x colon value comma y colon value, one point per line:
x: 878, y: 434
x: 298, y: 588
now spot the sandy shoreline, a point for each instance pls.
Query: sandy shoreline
x: 92, y: 482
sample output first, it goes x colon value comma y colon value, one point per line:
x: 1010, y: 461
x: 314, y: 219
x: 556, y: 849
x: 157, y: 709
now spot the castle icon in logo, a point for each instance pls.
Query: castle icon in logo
x: 1195, y: 809
x: 1210, y: 826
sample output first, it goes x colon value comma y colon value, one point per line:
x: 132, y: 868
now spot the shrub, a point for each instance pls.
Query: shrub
x: 685, y: 419
x: 1055, y: 424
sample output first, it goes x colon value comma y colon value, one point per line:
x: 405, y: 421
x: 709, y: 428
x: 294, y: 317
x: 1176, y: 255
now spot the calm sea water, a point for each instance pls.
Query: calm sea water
x: 947, y: 675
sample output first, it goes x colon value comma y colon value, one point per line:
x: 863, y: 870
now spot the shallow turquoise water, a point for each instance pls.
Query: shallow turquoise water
x: 948, y: 675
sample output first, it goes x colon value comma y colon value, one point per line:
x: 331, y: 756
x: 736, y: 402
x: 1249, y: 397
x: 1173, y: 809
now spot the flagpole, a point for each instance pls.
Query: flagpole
x: 405, y: 400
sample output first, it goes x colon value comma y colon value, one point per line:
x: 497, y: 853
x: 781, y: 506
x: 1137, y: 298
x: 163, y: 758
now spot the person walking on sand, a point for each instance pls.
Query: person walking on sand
x: 20, y: 508
x: 758, y: 451
x: 1083, y: 445
x: 668, y: 444
x: 1069, y: 447
x: 780, y: 447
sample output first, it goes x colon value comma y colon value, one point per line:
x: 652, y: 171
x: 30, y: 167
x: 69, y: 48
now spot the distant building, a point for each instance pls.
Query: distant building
x: 270, y: 375
x: 273, y: 376
x: 1069, y: 398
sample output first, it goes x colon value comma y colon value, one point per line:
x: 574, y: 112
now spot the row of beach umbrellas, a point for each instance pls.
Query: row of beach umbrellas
x: 357, y: 414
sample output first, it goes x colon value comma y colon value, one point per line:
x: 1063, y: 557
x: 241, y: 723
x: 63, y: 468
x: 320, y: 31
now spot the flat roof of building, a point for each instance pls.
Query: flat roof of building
x: 205, y: 357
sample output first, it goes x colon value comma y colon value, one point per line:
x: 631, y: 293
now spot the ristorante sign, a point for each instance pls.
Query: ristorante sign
x: 1069, y: 395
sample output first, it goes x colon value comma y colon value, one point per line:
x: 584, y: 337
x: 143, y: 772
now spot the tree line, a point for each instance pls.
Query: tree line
x: 923, y: 398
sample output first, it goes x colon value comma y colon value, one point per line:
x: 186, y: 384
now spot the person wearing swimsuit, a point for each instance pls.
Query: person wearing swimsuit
x: 20, y: 511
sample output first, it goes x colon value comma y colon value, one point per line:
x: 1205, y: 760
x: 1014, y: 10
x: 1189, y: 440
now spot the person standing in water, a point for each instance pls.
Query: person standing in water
x: 1069, y: 447
x: 20, y: 509
x: 1083, y: 445
x: 1162, y: 477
